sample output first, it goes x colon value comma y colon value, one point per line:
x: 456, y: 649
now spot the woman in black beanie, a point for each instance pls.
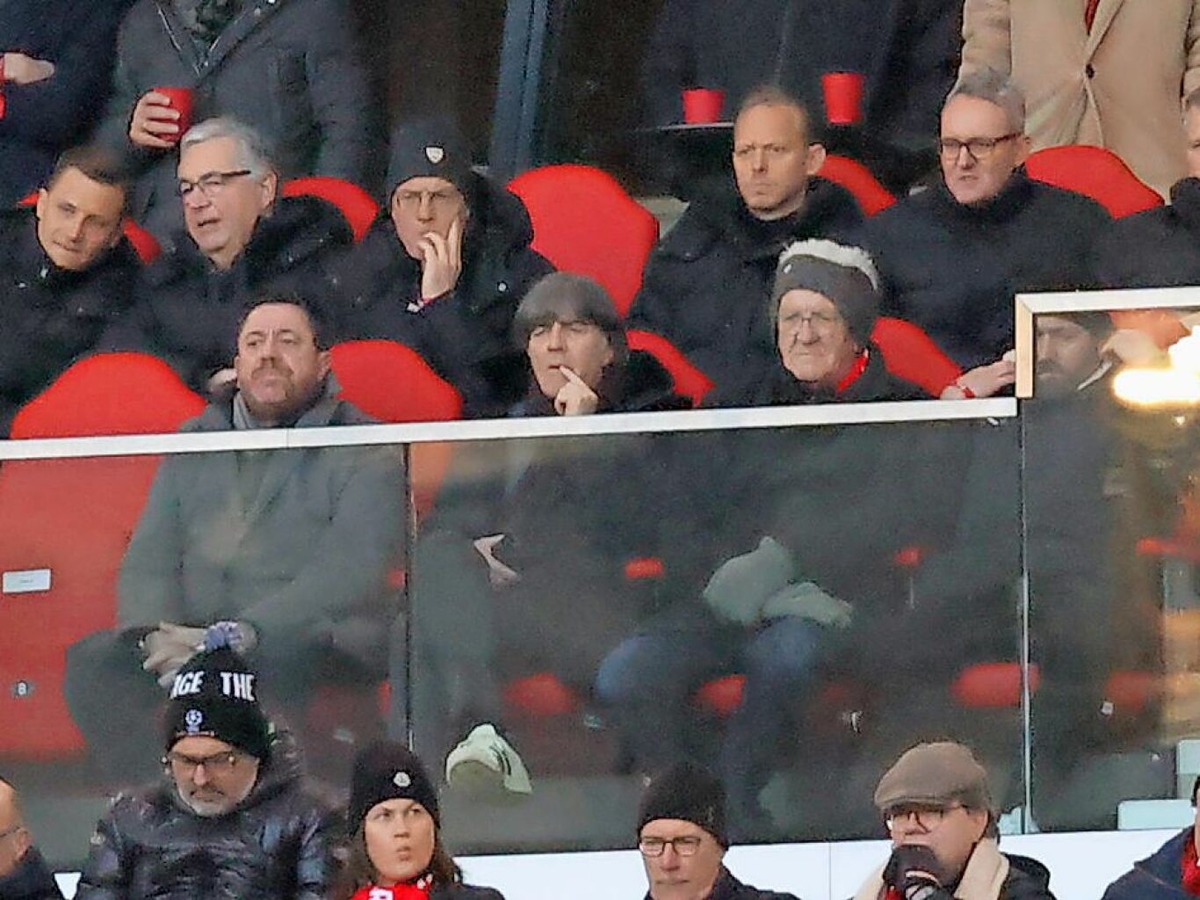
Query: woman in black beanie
x: 395, y: 849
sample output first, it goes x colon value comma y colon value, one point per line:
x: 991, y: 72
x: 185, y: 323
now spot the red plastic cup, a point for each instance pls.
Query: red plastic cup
x: 843, y: 97
x: 181, y: 101
x: 703, y: 105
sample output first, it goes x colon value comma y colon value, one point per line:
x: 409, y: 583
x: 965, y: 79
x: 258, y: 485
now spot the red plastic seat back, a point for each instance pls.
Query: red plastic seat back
x: 872, y: 196
x: 1095, y: 172
x: 911, y: 354
x: 584, y: 222
x: 359, y: 207
x: 392, y: 383
x: 689, y: 381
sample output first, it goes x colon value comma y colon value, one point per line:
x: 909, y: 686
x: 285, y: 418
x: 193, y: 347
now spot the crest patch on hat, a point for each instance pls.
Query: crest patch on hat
x: 435, y: 154
x: 402, y: 779
x: 193, y: 719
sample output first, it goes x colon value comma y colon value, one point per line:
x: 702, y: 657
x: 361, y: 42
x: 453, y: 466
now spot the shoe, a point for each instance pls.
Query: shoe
x: 485, y: 765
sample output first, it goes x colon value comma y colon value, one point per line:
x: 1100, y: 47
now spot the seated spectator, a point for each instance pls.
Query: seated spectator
x: 683, y: 838
x: 286, y: 552
x: 232, y: 816
x: 1086, y: 72
x: 906, y: 50
x: 953, y: 257
x: 942, y: 823
x: 242, y: 241
x: 824, y: 305
x: 67, y: 273
x: 289, y: 68
x: 445, y: 266
x: 23, y: 873
x: 57, y: 62
x: 1159, y: 247
x: 396, y: 848
x: 708, y: 282
x: 581, y: 362
x: 1170, y: 873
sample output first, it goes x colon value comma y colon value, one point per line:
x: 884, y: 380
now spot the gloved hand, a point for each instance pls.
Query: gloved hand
x: 915, y: 871
x: 807, y: 601
x: 740, y: 586
x: 168, y: 648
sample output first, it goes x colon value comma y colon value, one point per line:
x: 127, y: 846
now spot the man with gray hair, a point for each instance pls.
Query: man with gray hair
x: 953, y: 256
x: 938, y: 810
x: 241, y: 241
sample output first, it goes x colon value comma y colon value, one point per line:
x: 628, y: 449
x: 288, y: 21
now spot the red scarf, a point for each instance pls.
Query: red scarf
x: 1190, y: 869
x: 855, y: 373
x: 1089, y: 13
x: 419, y: 890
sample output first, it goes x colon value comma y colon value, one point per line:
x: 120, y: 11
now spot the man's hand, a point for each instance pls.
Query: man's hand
x: 914, y: 870
x: 155, y: 124
x: 441, y: 262
x: 982, y: 381
x: 575, y: 398
x: 168, y: 648
x: 219, y: 380
x: 499, y: 575
x: 22, y: 69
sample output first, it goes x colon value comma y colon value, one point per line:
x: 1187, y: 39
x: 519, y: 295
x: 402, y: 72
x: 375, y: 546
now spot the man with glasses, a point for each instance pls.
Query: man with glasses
x: 241, y: 240
x: 445, y: 267
x: 23, y: 873
x: 232, y: 817
x: 953, y: 256
x: 938, y: 811
x: 683, y: 838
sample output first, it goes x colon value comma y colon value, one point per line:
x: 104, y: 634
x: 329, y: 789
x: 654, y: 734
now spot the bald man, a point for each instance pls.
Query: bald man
x: 23, y: 872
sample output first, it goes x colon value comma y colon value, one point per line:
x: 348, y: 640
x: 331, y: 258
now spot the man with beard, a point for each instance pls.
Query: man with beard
x: 232, y: 817
x: 285, y: 554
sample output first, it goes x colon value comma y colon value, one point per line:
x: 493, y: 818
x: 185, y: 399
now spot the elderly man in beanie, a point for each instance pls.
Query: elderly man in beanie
x: 938, y: 809
x: 1171, y: 872
x: 683, y: 837
x: 445, y: 266
x: 232, y: 817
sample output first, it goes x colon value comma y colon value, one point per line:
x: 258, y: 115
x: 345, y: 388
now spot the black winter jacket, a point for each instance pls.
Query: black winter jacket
x: 954, y: 269
x: 287, y: 67
x: 30, y: 880
x: 187, y: 312
x: 466, y: 336
x: 729, y: 888
x: 278, y: 843
x: 1156, y: 248
x: 1158, y: 876
x: 49, y: 317
x: 44, y: 118
x: 708, y: 282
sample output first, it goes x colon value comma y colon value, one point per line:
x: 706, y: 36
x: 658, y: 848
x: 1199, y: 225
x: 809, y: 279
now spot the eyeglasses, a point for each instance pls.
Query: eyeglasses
x: 16, y: 829
x: 978, y: 149
x: 209, y: 184
x: 443, y: 199
x: 928, y: 818
x: 818, y: 321
x: 215, y: 764
x: 683, y: 846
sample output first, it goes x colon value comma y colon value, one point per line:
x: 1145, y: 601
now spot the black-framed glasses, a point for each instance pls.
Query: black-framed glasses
x: 978, y: 149
x: 215, y: 764
x: 928, y: 818
x: 683, y: 846
x: 817, y: 321
x: 210, y: 183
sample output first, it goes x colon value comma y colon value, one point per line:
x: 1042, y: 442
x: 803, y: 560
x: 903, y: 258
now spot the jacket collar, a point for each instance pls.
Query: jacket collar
x: 252, y: 15
x: 1012, y: 199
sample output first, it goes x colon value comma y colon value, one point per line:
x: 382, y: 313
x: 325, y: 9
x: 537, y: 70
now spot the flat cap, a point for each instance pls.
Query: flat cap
x: 937, y: 774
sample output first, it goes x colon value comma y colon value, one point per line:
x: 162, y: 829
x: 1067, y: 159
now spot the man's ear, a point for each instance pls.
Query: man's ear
x: 270, y: 189
x: 324, y: 362
x: 816, y: 158
x: 1024, y: 148
x: 42, y: 199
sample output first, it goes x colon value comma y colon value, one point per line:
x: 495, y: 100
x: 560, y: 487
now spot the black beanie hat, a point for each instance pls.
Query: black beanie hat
x: 215, y: 694
x: 689, y: 792
x: 428, y: 148
x: 845, y: 274
x: 387, y: 770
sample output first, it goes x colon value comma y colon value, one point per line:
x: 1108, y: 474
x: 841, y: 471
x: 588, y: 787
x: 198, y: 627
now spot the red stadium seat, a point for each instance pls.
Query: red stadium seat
x: 143, y: 242
x: 689, y: 381
x: 359, y: 207
x: 911, y: 354
x: 1095, y: 172
x: 71, y: 520
x: 584, y: 222
x: 872, y: 196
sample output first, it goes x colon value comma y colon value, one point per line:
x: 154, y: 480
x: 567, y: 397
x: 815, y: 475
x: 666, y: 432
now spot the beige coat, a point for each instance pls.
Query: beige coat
x: 1119, y: 86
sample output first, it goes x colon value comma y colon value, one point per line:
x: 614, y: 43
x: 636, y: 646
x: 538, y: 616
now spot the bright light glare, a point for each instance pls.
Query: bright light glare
x: 1157, y: 387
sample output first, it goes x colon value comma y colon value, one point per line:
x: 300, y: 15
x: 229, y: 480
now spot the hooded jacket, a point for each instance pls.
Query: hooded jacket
x: 708, y: 282
x: 1156, y: 248
x: 187, y: 311
x: 49, y: 317
x: 277, y: 843
x: 465, y: 335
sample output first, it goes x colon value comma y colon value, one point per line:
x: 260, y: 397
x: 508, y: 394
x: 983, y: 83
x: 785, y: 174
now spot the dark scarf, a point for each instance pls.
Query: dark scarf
x: 206, y: 19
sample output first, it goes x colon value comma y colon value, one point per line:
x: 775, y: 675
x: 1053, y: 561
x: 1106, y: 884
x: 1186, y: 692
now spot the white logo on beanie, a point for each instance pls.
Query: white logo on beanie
x: 402, y: 780
x: 435, y: 154
x: 193, y: 719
